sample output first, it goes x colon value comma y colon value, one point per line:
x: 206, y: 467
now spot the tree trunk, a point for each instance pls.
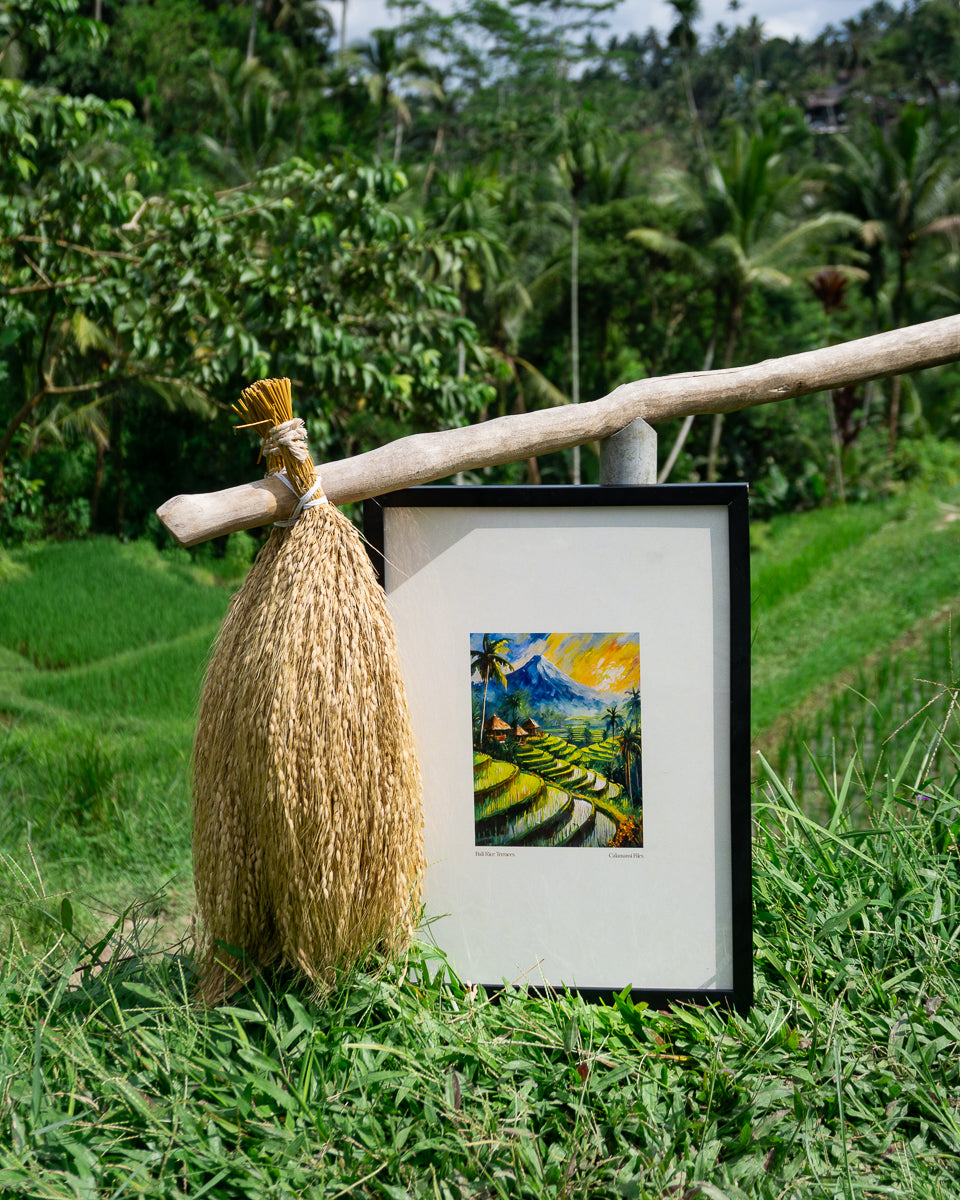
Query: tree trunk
x: 252, y: 32
x: 716, y: 430
x: 117, y: 423
x: 694, y: 111
x: 380, y: 128
x: 687, y: 420
x: 432, y: 165
x: 97, y: 482
x: 899, y: 303
x: 575, y: 321
x: 533, y: 467
x: 6, y: 439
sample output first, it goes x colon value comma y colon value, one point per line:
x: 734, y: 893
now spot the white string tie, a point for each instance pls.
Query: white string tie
x: 309, y: 499
x: 290, y: 436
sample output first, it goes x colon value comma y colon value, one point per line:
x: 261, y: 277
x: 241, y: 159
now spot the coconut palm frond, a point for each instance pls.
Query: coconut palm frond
x: 88, y: 335
x: 541, y: 385
x: 179, y: 394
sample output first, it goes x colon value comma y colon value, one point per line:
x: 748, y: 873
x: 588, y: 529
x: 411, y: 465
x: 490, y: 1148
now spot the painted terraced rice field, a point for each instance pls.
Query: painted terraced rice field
x: 538, y: 702
x: 543, y: 801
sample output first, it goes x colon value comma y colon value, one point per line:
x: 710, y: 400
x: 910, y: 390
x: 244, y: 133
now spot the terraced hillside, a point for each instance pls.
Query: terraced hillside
x: 545, y: 799
x: 102, y: 650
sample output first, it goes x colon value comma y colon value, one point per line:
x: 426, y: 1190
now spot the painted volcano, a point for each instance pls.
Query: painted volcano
x: 547, y: 686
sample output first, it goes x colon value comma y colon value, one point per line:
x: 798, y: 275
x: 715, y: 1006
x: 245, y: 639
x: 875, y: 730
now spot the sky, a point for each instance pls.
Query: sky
x: 609, y: 662
x: 780, y: 18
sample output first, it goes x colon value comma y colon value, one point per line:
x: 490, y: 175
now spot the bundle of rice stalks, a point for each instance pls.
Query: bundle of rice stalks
x: 307, y: 834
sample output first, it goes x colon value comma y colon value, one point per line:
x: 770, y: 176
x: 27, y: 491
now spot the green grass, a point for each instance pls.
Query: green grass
x: 884, y: 706
x: 834, y: 587
x: 82, y: 602
x: 102, y: 651
x: 843, y: 1081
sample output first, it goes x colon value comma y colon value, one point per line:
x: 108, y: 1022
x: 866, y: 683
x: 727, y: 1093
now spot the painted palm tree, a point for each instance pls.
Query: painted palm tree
x: 490, y: 662
x: 900, y: 183
x: 630, y: 748
x: 633, y: 704
x: 742, y: 232
x: 613, y: 719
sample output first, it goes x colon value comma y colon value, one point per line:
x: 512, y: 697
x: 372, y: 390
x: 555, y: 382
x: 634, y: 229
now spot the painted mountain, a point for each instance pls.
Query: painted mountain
x: 547, y: 686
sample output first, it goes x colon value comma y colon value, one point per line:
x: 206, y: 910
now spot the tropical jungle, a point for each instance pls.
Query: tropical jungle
x: 468, y: 214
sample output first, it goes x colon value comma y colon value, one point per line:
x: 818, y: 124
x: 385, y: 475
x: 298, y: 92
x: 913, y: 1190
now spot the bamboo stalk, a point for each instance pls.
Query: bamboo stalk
x: 424, y: 457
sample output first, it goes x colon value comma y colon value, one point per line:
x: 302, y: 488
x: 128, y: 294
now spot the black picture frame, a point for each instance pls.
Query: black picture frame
x: 670, y: 562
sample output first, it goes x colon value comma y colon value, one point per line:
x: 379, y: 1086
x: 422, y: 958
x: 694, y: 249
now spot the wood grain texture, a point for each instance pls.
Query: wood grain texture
x: 424, y: 457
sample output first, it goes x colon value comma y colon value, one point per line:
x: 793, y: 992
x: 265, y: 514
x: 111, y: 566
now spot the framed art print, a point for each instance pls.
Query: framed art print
x: 577, y: 666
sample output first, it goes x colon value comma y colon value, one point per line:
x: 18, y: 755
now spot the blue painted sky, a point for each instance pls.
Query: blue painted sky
x: 609, y: 662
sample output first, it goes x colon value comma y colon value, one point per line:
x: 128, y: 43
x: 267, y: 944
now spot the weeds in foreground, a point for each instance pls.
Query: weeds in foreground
x: 844, y: 1080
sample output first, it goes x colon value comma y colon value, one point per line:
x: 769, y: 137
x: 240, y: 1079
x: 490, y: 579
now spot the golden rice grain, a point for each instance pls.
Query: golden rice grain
x: 308, y: 823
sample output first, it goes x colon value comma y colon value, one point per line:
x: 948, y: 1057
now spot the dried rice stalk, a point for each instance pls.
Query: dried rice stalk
x: 307, y: 835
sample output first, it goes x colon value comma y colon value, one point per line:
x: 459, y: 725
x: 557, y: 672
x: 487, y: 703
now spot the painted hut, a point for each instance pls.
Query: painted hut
x: 532, y: 728
x: 496, y: 728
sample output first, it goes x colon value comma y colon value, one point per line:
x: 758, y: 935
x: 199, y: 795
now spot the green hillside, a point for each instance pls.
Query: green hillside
x: 102, y: 651
x: 834, y: 587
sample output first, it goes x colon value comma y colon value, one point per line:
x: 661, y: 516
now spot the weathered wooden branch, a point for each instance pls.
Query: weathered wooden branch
x: 424, y: 457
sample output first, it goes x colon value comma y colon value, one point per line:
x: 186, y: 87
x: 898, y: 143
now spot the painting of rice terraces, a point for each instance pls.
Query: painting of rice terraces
x: 557, y: 755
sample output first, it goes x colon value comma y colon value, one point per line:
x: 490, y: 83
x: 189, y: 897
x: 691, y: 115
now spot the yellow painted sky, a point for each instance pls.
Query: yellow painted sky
x: 607, y: 661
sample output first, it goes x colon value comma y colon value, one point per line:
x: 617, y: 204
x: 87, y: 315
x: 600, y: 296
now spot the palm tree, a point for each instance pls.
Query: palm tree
x: 742, y: 232
x: 251, y: 99
x: 585, y: 173
x: 683, y: 39
x: 388, y: 71
x: 309, y: 20
x: 900, y: 184
x: 490, y: 662
x: 464, y: 208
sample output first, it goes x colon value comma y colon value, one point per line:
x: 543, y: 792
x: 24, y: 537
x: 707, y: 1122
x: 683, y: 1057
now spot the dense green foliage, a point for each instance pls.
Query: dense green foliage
x: 466, y: 215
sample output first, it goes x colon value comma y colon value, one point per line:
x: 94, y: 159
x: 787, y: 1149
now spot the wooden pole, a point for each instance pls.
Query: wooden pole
x: 629, y: 456
x: 424, y: 457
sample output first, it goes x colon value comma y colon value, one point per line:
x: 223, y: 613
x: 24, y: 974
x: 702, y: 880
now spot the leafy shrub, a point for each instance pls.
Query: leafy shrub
x: 930, y: 461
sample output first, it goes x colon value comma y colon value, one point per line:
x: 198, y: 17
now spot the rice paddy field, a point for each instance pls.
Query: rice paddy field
x: 842, y: 1081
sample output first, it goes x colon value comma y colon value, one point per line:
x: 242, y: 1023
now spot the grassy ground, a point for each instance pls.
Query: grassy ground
x: 844, y: 1081
x: 853, y: 652
x: 834, y: 587
x: 102, y: 649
